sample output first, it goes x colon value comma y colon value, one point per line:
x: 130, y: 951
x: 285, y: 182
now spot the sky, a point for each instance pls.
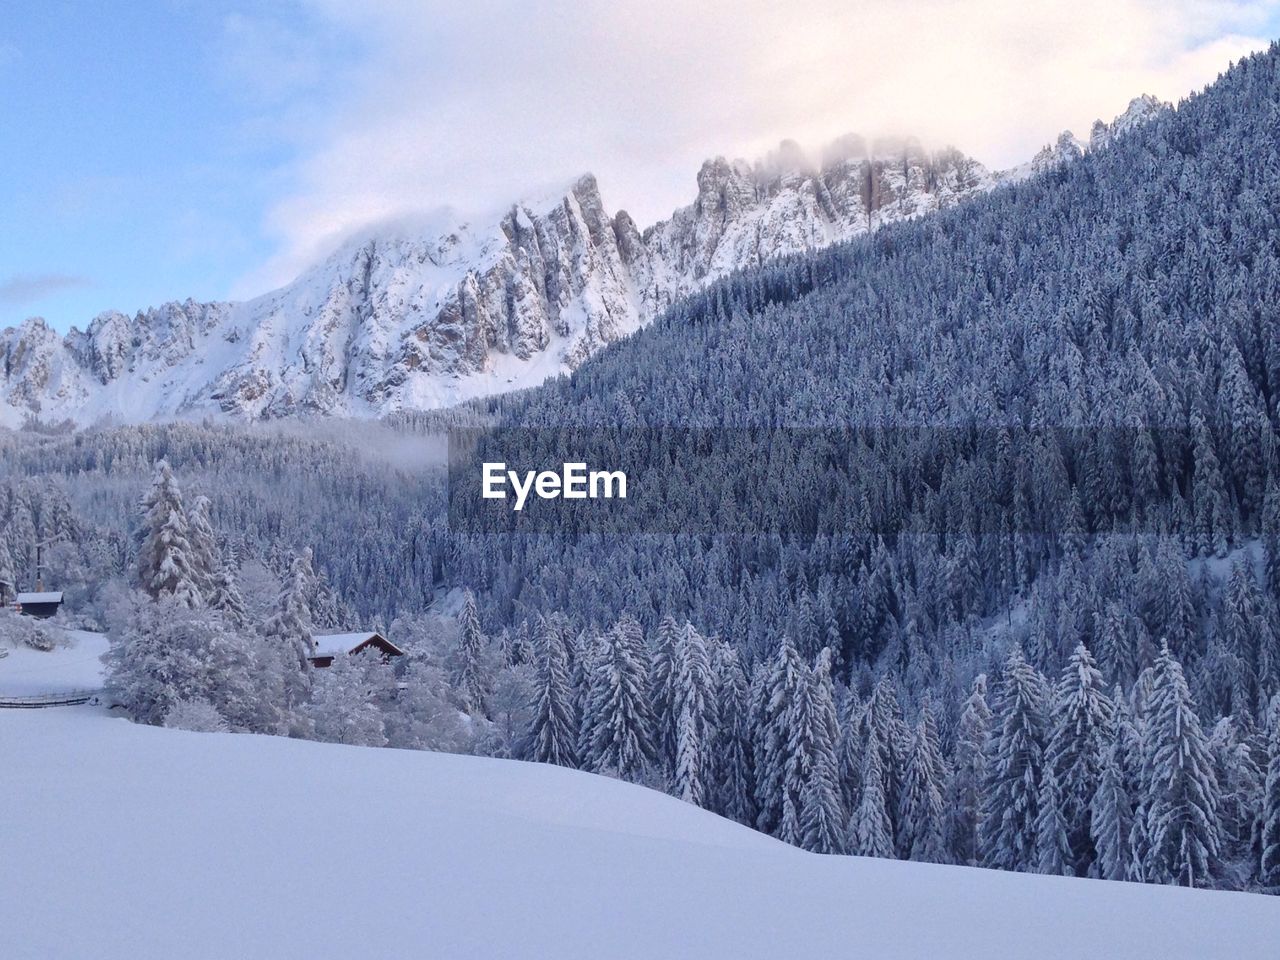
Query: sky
x: 160, y: 149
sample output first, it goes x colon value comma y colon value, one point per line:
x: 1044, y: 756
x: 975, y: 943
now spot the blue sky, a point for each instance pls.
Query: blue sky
x: 136, y: 166
x: 159, y: 149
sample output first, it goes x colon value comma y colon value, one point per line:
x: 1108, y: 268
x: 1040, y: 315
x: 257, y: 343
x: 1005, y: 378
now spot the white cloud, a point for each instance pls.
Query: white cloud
x: 476, y: 103
x: 24, y: 288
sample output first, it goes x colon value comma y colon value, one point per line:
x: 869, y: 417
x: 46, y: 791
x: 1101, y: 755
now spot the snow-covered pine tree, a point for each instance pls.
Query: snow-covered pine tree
x: 1182, y: 811
x: 849, y: 750
x: 884, y: 717
x: 206, y: 558
x: 662, y: 695
x: 815, y: 731
x: 1116, y: 656
x: 289, y: 631
x: 970, y: 775
x: 471, y: 676
x: 166, y: 564
x: 1271, y: 539
x: 1082, y: 716
x: 732, y: 749
x: 1111, y: 815
x: 8, y: 574
x: 1241, y: 780
x: 1016, y: 767
x: 692, y: 695
x: 780, y: 680
x: 870, y: 832
x: 920, y: 818
x: 617, y: 725
x: 1269, y: 869
x: 553, y: 736
x: 1212, y: 517
x: 225, y: 595
x: 1052, y: 849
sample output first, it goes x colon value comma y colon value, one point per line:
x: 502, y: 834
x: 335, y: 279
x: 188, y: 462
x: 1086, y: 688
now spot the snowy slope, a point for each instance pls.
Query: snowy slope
x: 121, y: 841
x: 427, y: 312
x: 72, y: 668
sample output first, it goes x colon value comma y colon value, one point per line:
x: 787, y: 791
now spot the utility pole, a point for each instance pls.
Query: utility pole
x: 40, y: 559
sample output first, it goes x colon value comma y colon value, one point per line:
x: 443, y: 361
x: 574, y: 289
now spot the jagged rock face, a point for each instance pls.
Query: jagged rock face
x: 1141, y: 110
x: 1065, y: 149
x: 745, y: 215
x: 40, y: 374
x: 421, y: 317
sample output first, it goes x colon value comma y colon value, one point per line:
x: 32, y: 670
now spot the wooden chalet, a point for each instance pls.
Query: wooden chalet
x: 41, y: 605
x: 327, y: 646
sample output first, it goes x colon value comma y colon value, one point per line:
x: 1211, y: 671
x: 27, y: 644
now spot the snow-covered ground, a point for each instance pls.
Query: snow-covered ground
x: 122, y: 841
x: 65, y: 669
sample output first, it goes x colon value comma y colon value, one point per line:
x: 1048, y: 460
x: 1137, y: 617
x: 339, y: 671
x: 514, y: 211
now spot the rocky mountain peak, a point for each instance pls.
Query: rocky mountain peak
x: 426, y: 313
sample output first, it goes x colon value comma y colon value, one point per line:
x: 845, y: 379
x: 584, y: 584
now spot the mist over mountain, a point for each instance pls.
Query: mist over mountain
x: 422, y: 315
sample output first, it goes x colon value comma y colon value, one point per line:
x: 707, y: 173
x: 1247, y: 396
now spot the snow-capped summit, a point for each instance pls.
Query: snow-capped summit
x: 1141, y: 110
x: 1069, y: 147
x: 1066, y: 148
x: 424, y: 313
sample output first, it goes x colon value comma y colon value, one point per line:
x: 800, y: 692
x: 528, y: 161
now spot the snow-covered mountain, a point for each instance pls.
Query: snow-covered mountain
x: 423, y: 314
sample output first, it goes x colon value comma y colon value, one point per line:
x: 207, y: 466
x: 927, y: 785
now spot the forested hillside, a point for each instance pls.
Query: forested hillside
x: 1133, y: 294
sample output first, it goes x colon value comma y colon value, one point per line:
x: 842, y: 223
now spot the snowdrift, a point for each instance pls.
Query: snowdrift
x: 122, y: 841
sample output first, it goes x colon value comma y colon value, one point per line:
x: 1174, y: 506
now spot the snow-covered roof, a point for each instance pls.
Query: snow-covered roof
x: 333, y: 644
x: 54, y: 596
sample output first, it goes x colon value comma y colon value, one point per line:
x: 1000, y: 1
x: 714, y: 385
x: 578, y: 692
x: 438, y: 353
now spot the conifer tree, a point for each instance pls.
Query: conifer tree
x: 780, y: 681
x: 662, y: 694
x: 1116, y: 660
x: 1182, y: 812
x: 814, y: 731
x: 471, y: 679
x: 553, y: 734
x: 225, y: 595
x: 732, y: 742
x: 166, y: 564
x: 1269, y: 872
x: 206, y: 558
x: 1209, y: 494
x: 1082, y: 716
x: 1111, y: 816
x: 617, y: 725
x: 920, y: 818
x: 1052, y: 849
x: 884, y: 717
x: 970, y: 776
x: 291, y: 624
x: 849, y: 750
x: 1016, y: 768
x: 870, y: 831
x: 1241, y: 782
x: 8, y: 573
x: 692, y: 694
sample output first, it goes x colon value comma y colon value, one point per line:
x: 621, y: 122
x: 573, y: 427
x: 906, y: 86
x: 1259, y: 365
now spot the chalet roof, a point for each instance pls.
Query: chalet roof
x: 51, y: 596
x: 334, y: 644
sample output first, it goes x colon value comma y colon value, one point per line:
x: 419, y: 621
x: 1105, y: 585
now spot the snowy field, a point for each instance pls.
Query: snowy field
x: 64, y: 669
x: 124, y: 841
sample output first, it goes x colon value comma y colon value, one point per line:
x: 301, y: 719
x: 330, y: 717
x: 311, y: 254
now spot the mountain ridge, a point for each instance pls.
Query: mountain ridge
x: 421, y: 318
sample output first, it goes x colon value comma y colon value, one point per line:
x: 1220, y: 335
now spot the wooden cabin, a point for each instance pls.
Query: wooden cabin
x: 327, y: 646
x: 41, y: 605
